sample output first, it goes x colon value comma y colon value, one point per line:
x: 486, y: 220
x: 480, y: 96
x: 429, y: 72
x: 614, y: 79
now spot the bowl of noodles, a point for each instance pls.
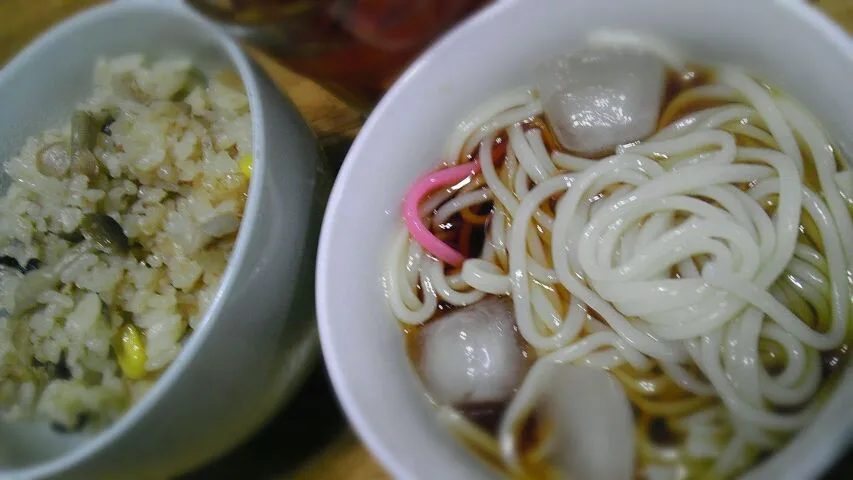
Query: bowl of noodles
x: 610, y: 240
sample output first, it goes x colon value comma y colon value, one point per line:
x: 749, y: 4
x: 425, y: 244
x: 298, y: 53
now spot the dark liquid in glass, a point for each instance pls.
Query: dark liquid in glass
x: 353, y: 48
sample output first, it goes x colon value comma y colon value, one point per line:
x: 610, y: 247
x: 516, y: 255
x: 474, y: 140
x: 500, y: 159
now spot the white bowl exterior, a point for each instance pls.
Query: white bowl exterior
x: 785, y: 42
x: 259, y: 337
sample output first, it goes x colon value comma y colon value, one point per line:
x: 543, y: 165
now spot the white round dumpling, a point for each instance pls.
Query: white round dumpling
x: 472, y: 355
x: 597, y: 99
x: 593, y: 424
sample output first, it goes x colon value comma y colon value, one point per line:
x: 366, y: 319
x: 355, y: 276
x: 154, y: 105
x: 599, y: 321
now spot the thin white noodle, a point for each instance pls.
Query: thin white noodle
x: 512, y: 116
x: 539, y: 168
x: 481, y: 115
x: 667, y: 254
x: 460, y: 202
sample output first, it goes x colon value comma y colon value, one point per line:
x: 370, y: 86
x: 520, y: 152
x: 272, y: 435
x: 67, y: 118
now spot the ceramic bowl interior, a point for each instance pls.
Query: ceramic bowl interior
x: 229, y: 353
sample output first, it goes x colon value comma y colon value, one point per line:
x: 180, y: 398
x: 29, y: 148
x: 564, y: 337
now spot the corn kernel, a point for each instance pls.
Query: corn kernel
x: 245, y: 165
x: 130, y: 351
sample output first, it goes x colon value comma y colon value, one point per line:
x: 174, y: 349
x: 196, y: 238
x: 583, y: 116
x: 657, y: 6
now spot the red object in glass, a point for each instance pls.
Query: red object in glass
x: 354, y: 48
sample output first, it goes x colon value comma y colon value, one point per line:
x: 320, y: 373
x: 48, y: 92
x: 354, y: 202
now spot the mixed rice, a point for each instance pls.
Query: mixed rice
x: 114, y: 233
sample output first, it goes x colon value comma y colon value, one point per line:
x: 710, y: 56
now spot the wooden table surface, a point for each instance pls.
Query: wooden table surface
x: 296, y: 444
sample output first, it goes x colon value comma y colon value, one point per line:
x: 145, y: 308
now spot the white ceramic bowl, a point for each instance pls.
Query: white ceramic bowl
x: 783, y: 41
x: 259, y: 336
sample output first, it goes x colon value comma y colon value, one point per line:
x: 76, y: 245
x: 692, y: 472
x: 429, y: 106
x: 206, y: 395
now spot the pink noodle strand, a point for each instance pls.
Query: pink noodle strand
x: 411, y: 215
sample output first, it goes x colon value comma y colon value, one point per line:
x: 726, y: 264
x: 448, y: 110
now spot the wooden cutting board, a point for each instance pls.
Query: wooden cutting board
x: 310, y: 439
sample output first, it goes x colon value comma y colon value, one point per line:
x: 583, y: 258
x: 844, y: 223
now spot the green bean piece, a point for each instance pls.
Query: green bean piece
x: 83, y: 161
x: 105, y: 233
x: 83, y: 130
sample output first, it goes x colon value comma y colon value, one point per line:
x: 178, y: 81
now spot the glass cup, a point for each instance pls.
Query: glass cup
x: 353, y: 48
